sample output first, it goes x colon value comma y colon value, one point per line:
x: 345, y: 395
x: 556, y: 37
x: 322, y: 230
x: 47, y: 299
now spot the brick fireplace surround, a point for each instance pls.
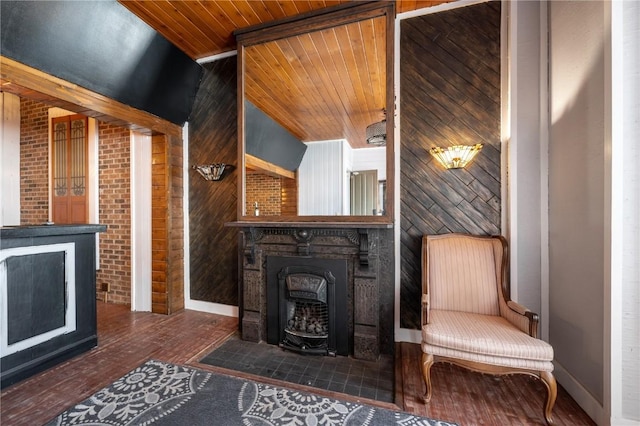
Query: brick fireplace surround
x: 367, y: 249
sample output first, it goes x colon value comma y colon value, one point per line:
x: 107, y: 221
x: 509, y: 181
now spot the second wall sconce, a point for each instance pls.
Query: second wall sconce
x: 211, y: 172
x: 457, y: 156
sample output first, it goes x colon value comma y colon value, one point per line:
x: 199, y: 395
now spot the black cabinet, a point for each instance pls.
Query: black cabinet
x: 47, y: 296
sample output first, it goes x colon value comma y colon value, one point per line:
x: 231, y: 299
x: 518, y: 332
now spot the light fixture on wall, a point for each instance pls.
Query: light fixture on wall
x: 210, y: 172
x: 457, y: 156
x: 377, y: 133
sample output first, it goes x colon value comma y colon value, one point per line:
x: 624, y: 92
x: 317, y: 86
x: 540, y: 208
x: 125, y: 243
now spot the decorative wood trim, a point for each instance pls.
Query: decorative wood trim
x: 304, y: 237
x: 313, y: 21
x: 307, y: 23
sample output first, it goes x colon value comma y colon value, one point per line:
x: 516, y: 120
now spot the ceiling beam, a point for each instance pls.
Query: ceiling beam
x: 28, y: 82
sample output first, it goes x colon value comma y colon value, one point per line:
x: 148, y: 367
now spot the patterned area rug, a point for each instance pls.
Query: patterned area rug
x: 165, y: 394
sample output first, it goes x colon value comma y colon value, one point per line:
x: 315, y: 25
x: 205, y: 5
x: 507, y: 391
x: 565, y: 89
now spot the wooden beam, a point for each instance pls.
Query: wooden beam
x: 256, y: 163
x: 26, y: 81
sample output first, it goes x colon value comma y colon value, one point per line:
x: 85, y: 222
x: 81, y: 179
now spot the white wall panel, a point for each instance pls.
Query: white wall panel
x: 577, y: 223
x: 141, y: 222
x: 321, y: 178
x: 371, y: 159
x: 625, y: 285
x: 9, y: 159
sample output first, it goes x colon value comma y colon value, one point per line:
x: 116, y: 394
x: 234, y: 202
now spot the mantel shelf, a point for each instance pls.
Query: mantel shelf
x: 280, y: 224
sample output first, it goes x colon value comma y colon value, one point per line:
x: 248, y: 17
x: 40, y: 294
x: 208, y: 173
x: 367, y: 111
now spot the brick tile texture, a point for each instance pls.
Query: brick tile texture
x: 115, y: 192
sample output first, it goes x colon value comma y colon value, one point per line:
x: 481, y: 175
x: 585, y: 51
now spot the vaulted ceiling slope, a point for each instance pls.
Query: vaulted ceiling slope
x: 102, y: 47
x: 142, y: 53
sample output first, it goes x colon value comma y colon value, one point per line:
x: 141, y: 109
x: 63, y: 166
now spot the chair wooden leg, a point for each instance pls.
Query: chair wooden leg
x: 552, y: 391
x: 427, y: 362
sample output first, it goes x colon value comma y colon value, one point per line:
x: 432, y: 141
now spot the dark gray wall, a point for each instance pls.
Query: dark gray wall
x: 213, y: 135
x: 101, y: 46
x: 269, y: 141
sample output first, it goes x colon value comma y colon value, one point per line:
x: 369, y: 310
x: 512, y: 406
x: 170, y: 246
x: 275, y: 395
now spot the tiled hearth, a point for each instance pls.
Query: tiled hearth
x: 366, y: 379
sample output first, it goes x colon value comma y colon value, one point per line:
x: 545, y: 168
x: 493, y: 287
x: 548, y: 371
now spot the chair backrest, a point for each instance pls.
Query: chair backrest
x: 463, y: 272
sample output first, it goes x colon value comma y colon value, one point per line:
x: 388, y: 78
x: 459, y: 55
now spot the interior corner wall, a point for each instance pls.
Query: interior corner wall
x: 9, y: 151
x: 576, y: 195
x: 526, y: 141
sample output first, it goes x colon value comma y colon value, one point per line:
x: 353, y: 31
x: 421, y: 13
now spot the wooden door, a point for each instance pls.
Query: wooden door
x: 69, y: 169
x: 364, y: 193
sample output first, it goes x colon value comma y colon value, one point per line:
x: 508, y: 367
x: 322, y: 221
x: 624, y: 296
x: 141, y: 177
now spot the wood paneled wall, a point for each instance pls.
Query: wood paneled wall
x: 289, y: 197
x: 167, y: 254
x: 213, y: 138
x: 449, y: 95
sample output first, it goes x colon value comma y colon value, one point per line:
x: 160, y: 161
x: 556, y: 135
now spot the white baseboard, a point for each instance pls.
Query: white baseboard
x: 408, y: 335
x: 624, y: 422
x: 212, y: 308
x: 585, y: 400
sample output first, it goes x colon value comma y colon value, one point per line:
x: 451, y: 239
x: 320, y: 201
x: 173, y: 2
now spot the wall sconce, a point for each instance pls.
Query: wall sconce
x: 457, y: 156
x: 210, y: 172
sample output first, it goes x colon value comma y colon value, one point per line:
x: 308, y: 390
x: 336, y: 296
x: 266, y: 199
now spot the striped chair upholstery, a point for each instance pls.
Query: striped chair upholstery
x: 468, y: 318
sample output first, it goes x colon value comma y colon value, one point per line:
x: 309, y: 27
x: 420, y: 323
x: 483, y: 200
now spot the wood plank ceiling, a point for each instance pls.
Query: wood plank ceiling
x: 321, y: 86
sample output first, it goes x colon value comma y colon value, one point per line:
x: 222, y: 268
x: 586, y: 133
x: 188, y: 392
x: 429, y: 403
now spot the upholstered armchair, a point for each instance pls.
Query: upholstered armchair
x: 468, y: 318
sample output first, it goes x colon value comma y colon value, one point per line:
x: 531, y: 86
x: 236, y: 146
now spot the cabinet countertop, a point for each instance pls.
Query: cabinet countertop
x: 29, y: 231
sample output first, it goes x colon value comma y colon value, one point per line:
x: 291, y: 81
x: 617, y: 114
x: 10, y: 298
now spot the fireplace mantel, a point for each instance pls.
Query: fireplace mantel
x: 304, y: 232
x: 285, y: 224
x: 367, y: 248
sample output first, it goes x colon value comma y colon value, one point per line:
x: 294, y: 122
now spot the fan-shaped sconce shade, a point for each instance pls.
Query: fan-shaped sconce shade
x: 211, y: 172
x: 457, y: 156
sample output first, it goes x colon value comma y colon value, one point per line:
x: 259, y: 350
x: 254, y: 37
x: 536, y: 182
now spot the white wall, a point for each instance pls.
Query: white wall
x: 625, y: 214
x: 323, y: 162
x: 577, y: 198
x: 371, y: 159
x: 9, y: 159
x: 524, y: 140
x: 141, y: 186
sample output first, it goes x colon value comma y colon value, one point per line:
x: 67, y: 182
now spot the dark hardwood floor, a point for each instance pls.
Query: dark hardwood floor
x: 127, y: 339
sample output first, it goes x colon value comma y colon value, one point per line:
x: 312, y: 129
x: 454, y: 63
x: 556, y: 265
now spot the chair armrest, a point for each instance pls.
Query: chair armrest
x: 425, y: 308
x: 515, y: 306
x: 532, y: 317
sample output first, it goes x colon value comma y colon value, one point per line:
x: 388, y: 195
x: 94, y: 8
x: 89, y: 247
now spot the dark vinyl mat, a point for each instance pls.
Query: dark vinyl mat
x: 367, y: 379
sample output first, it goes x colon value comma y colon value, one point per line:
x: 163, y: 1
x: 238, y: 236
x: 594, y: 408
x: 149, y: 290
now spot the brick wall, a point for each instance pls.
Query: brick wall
x: 115, y: 212
x: 34, y: 162
x: 266, y: 190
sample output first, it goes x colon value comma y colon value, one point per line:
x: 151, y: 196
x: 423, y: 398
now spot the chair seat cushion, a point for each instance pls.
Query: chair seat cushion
x: 483, y: 337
